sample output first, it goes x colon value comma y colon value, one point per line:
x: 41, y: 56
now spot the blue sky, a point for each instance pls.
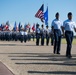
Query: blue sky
x: 24, y: 10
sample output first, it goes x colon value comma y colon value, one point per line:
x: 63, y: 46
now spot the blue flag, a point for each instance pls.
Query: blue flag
x: 19, y: 26
x: 46, y: 16
x: 15, y: 26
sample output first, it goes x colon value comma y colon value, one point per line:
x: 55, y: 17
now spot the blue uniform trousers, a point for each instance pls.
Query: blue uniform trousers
x: 69, y: 39
x: 52, y: 39
x: 25, y: 38
x: 47, y: 39
x: 42, y: 39
x: 57, y: 43
x: 37, y: 38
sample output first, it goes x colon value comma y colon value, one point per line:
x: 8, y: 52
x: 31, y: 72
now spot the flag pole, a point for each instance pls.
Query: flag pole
x: 43, y: 19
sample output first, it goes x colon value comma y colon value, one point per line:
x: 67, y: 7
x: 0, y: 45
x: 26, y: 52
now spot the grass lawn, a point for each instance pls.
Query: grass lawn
x: 64, y: 41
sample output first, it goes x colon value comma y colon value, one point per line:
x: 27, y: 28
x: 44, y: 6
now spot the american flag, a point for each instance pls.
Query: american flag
x: 40, y: 13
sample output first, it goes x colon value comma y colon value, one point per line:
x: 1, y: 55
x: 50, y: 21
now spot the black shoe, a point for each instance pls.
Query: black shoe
x: 54, y: 52
x: 37, y: 44
x: 66, y: 55
x: 51, y: 44
x: 58, y: 53
x: 69, y: 56
x: 46, y: 44
x: 42, y: 44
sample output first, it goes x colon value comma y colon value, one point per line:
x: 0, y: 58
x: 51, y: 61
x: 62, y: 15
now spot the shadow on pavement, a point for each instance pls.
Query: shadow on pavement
x: 43, y: 58
x: 45, y: 63
x: 53, y: 72
x: 40, y: 57
x: 15, y: 45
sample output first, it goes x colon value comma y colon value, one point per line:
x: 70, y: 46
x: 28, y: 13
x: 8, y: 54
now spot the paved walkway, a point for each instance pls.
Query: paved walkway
x: 4, y: 70
x: 28, y: 59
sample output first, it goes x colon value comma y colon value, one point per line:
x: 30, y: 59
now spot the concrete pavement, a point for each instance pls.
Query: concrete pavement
x: 28, y: 59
